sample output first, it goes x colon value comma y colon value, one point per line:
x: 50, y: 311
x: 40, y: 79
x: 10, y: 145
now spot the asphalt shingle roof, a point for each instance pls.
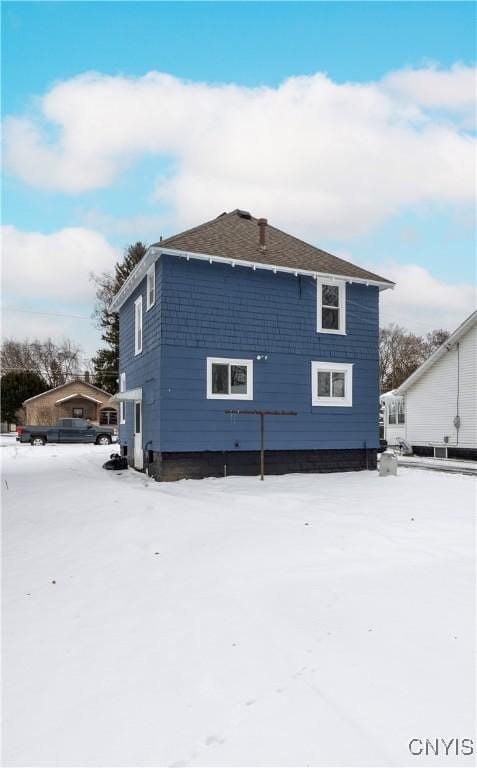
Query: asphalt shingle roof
x: 235, y: 236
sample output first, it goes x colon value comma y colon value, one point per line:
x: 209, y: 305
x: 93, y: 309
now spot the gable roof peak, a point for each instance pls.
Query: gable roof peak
x: 447, y: 346
x: 74, y: 380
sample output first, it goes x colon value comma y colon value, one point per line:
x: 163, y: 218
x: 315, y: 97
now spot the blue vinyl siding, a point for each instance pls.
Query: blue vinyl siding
x: 214, y: 310
x: 142, y: 370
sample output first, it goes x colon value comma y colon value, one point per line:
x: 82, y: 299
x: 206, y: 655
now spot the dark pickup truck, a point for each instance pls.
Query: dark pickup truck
x: 67, y: 431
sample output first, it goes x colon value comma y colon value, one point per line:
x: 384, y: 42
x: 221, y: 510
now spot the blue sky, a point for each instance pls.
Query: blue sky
x: 253, y: 46
x: 250, y: 44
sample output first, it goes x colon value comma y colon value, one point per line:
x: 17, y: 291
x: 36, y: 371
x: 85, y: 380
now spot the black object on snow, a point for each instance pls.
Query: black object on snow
x: 116, y: 462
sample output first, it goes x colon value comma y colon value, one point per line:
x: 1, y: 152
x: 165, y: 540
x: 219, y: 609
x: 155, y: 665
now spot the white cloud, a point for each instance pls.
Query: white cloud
x: 453, y: 89
x: 26, y: 325
x: 56, y: 266
x: 146, y: 227
x: 46, y: 284
x: 319, y: 157
x: 421, y: 303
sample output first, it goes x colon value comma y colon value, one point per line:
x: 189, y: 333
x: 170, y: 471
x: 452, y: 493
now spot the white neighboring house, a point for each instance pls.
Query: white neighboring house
x: 440, y: 398
x: 394, y: 416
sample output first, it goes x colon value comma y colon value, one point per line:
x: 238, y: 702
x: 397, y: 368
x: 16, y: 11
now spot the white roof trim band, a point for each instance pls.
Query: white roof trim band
x: 153, y: 253
x: 78, y: 394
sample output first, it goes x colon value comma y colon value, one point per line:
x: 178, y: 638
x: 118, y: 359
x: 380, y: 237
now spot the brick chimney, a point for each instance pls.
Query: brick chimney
x: 86, y: 377
x: 262, y: 227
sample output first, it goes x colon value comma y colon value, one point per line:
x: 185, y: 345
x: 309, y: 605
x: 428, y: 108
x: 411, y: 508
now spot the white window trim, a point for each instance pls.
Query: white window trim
x: 399, y: 410
x: 151, y: 276
x: 343, y: 402
x: 122, y: 405
x: 138, y: 314
x: 230, y: 361
x: 341, y: 331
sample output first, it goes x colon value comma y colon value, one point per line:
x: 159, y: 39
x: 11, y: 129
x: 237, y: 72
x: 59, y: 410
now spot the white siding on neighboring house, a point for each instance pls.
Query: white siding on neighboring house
x: 392, y: 432
x: 446, y: 389
x: 468, y: 389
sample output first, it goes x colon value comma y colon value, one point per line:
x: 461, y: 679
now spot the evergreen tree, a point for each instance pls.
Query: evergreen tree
x: 18, y: 386
x: 106, y: 360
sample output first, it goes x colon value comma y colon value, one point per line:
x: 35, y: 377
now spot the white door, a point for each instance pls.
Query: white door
x: 138, y: 454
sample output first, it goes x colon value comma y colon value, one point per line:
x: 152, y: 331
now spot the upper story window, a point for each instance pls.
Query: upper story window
x: 332, y: 384
x: 151, y: 287
x: 138, y: 326
x: 396, y: 411
x: 122, y: 406
x: 229, y: 379
x: 331, y: 306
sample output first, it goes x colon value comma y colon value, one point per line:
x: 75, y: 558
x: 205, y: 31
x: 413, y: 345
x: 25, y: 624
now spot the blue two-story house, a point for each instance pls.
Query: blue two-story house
x: 237, y: 315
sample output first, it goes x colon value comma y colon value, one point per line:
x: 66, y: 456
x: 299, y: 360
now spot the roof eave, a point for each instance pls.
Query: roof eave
x: 153, y: 253
x: 65, y: 384
x: 77, y: 395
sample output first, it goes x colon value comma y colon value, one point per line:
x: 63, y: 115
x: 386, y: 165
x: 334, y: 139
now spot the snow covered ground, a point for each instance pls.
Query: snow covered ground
x: 321, y: 620
x: 429, y: 462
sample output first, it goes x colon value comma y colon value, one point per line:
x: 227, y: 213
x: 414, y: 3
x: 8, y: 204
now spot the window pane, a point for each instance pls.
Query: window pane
x: 150, y: 284
x: 330, y: 319
x: 220, y: 379
x: 338, y: 384
x: 401, y: 418
x: 392, y: 413
x: 138, y: 329
x: 330, y: 296
x: 323, y: 384
x: 108, y: 416
x: 122, y: 388
x: 138, y: 418
x: 238, y: 379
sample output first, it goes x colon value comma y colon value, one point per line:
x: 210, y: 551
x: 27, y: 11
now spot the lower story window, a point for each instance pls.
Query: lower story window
x: 332, y: 384
x: 108, y: 416
x: 229, y: 379
x: 396, y: 411
x: 78, y: 413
